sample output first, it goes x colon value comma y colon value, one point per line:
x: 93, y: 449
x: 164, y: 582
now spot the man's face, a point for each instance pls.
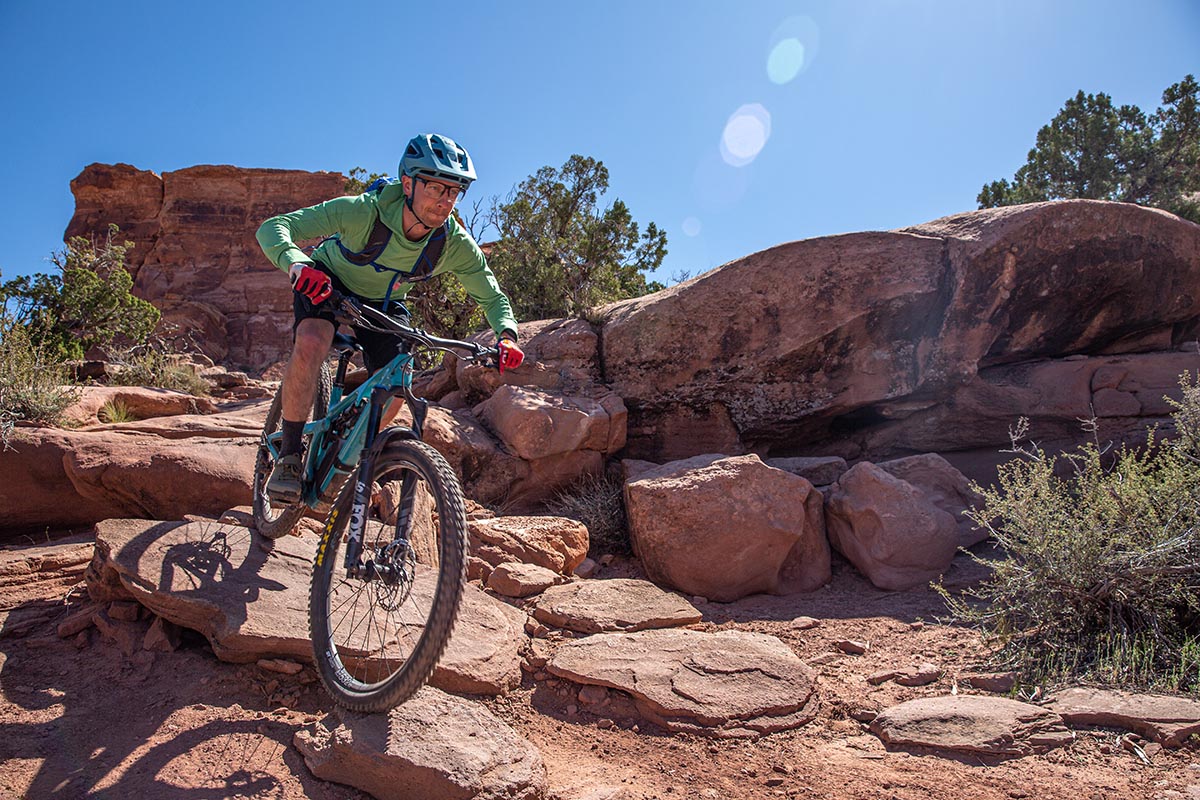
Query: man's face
x: 432, y: 199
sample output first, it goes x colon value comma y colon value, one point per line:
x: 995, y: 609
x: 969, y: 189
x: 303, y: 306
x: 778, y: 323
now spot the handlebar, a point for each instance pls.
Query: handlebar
x: 350, y: 310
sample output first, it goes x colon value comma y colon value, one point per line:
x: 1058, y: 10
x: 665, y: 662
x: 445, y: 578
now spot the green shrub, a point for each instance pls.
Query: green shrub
x: 1102, y: 579
x: 598, y: 502
x: 86, y: 304
x: 32, y: 381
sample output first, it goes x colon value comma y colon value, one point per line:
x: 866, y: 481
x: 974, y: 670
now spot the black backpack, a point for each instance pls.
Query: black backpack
x: 378, y: 240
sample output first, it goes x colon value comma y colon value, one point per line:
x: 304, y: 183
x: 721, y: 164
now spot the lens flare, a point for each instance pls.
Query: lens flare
x: 794, y: 45
x: 745, y: 135
x: 692, y: 226
x: 785, y: 61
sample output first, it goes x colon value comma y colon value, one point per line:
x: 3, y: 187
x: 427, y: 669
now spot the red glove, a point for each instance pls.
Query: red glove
x: 310, y: 282
x: 511, y: 354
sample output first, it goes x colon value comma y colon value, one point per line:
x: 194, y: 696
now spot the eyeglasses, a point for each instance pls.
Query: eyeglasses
x: 441, y: 190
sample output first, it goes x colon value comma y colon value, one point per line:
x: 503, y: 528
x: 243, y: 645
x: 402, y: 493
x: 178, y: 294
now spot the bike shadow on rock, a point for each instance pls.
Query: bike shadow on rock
x: 87, y: 717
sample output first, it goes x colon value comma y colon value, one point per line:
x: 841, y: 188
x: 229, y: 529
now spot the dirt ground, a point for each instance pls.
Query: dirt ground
x: 81, y: 718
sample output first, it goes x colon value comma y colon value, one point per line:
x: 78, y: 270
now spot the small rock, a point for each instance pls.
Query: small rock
x: 124, y: 610
x: 883, y: 676
x: 863, y: 714
x: 605, y: 723
x: 916, y: 626
x: 805, y: 623
x: 592, y: 695
x: 995, y: 682
x: 76, y: 622
x: 852, y: 647
x: 925, y: 674
x: 699, y: 601
x: 606, y: 559
x: 825, y: 658
x: 163, y: 636
x: 535, y: 628
x: 279, y: 665
x: 587, y: 568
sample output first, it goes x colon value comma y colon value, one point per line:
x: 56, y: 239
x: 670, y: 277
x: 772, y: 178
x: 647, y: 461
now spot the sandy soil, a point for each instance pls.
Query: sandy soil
x: 81, y: 718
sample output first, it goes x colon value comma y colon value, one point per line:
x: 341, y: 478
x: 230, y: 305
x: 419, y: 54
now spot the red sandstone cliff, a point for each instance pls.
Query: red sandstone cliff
x: 195, y: 256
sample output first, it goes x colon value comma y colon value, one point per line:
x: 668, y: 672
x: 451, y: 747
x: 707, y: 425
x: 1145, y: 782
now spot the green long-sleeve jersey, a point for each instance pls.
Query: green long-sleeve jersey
x: 352, y: 219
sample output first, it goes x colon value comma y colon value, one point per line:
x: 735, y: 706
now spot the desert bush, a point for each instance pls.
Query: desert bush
x: 151, y: 365
x: 32, y: 381
x: 598, y: 502
x: 1102, y: 578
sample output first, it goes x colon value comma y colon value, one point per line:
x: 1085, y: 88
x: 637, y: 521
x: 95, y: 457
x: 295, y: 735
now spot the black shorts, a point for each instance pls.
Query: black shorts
x: 378, y: 348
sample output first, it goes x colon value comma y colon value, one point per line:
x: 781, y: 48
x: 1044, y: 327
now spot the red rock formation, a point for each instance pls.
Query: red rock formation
x: 195, y: 255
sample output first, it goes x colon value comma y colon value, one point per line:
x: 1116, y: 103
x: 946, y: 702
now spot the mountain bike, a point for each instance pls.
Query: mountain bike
x: 380, y: 616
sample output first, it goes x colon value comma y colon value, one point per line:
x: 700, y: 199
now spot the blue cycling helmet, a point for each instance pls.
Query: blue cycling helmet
x: 431, y: 155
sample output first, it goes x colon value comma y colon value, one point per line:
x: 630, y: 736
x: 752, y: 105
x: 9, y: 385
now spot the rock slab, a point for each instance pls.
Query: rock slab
x: 619, y: 604
x: 994, y: 726
x: 433, y: 745
x: 1160, y: 718
x: 251, y: 602
x: 724, y: 684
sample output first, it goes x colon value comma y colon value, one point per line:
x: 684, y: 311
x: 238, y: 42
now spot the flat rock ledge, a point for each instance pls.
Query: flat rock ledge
x: 433, y: 745
x: 993, y: 726
x: 618, y: 604
x: 1159, y: 718
x: 724, y: 684
x: 251, y: 601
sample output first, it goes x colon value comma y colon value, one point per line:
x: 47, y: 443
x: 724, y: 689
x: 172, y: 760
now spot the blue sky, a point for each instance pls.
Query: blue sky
x: 855, y: 115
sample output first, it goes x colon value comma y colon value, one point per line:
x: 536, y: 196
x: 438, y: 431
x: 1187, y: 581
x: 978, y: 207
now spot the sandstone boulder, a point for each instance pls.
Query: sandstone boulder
x: 725, y: 527
x: 728, y: 683
x: 434, y: 745
x: 536, y: 424
x: 193, y: 234
x: 889, y: 529
x: 945, y: 487
x: 555, y: 543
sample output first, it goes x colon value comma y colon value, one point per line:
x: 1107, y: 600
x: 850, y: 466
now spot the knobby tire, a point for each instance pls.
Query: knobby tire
x: 375, y: 645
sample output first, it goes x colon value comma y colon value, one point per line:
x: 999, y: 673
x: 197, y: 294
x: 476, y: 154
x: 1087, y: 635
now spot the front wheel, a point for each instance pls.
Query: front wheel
x: 377, y: 640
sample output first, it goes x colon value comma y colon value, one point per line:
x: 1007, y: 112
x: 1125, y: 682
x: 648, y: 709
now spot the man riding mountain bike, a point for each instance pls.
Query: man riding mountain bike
x: 363, y: 256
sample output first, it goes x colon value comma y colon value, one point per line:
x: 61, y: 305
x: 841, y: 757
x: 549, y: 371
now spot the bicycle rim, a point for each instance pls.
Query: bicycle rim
x: 377, y: 641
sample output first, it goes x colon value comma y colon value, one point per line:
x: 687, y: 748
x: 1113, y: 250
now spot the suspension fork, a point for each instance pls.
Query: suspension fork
x: 362, y: 489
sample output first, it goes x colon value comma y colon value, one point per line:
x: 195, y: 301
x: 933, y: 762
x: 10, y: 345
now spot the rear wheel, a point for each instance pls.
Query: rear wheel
x: 272, y: 520
x: 376, y: 641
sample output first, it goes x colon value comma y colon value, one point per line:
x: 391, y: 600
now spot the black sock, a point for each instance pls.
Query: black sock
x: 292, y: 432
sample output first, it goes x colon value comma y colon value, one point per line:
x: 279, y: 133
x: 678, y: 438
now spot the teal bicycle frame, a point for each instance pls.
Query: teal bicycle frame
x: 346, y: 449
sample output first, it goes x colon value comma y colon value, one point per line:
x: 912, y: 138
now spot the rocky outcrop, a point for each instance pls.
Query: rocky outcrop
x: 850, y: 345
x: 723, y: 528
x: 1170, y: 721
x: 195, y: 256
